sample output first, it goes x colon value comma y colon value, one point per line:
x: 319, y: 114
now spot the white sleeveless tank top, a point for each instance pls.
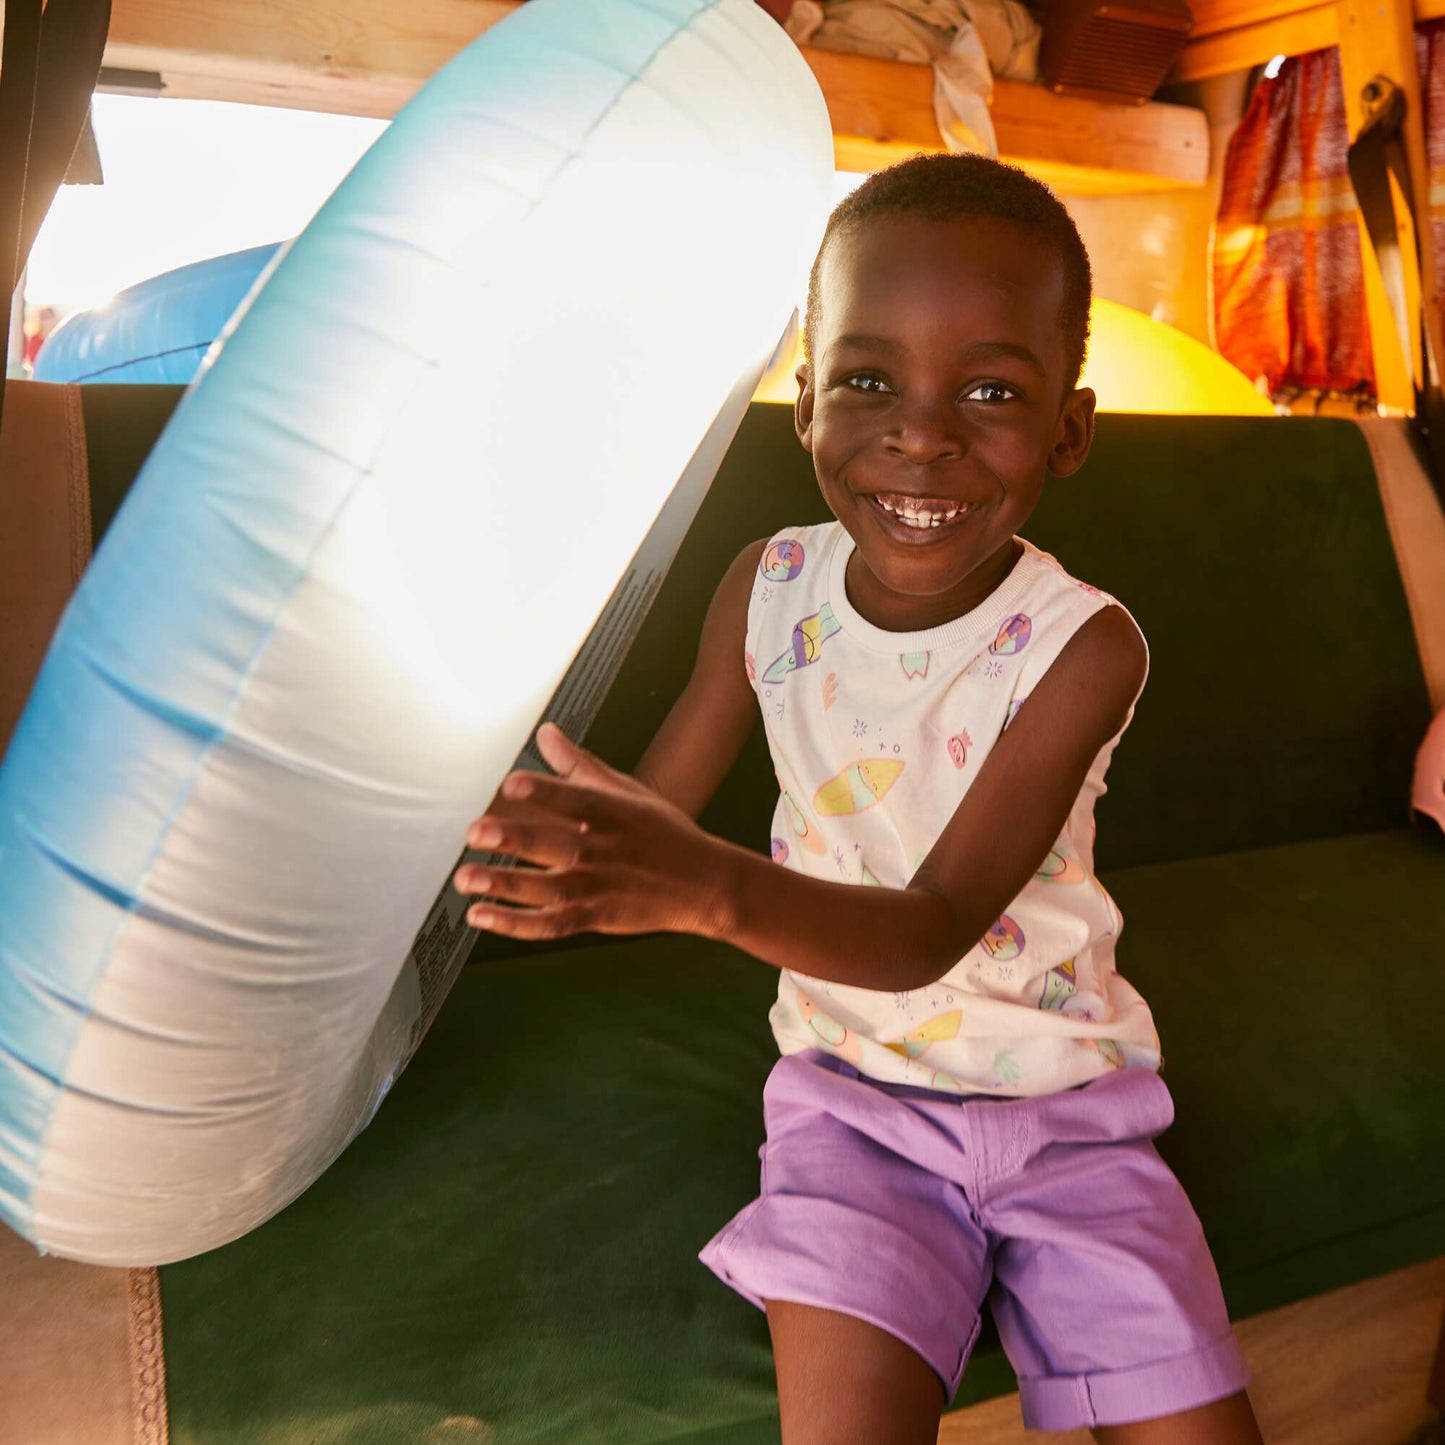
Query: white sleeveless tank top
x: 875, y: 737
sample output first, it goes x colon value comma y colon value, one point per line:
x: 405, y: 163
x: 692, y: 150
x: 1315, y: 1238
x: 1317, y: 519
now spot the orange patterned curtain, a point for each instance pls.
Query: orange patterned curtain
x: 1430, y: 50
x: 1289, y: 300
x: 1289, y: 297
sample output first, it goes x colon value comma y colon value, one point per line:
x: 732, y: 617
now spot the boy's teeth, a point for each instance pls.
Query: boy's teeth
x: 907, y: 510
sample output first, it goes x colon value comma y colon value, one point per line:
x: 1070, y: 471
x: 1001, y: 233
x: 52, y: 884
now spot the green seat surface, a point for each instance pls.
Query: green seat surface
x: 514, y: 1239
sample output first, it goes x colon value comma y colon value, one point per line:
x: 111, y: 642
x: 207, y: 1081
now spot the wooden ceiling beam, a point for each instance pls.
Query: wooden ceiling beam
x: 353, y: 57
x: 1232, y: 35
x: 367, y: 57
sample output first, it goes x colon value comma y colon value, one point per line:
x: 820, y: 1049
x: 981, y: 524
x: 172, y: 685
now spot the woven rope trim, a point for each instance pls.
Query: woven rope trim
x: 148, y: 1360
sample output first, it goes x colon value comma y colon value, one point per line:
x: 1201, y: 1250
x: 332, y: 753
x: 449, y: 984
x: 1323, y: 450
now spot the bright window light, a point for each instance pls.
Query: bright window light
x: 186, y: 180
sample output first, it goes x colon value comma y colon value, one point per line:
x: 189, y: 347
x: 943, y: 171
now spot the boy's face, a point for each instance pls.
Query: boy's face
x: 936, y: 405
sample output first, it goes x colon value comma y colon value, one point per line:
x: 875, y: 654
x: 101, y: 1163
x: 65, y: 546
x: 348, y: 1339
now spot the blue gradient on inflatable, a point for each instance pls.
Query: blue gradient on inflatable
x: 156, y: 331
x: 155, y: 650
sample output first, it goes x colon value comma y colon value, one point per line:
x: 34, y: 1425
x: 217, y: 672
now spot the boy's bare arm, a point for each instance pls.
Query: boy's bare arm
x: 705, y: 730
x: 616, y: 858
x: 993, y: 845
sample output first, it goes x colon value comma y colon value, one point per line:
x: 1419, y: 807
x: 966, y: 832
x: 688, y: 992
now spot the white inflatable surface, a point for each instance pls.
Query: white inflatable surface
x: 344, y: 587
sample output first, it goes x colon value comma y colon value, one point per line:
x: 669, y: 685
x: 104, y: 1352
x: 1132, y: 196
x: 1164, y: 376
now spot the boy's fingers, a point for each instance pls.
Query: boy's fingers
x: 529, y: 887
x: 573, y: 762
x: 552, y: 845
x: 572, y: 797
x: 558, y: 751
x: 530, y: 797
x: 528, y: 923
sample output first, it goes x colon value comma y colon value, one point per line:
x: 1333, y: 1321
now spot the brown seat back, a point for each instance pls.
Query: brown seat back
x: 44, y: 530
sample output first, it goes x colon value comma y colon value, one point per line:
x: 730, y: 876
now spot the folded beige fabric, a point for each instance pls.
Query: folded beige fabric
x: 967, y: 42
x: 921, y: 30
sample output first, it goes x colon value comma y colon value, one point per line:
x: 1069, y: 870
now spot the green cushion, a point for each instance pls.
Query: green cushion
x: 121, y: 426
x: 1286, y: 697
x: 1296, y: 991
x: 514, y: 1237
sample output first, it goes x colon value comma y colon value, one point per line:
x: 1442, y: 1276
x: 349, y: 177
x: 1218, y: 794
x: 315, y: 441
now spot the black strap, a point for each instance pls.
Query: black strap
x: 48, y: 69
x: 1376, y: 154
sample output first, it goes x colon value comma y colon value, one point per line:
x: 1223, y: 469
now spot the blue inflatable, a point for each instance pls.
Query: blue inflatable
x: 157, y: 330
x: 343, y: 589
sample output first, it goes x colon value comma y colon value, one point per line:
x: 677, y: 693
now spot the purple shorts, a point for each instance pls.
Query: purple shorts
x: 902, y: 1206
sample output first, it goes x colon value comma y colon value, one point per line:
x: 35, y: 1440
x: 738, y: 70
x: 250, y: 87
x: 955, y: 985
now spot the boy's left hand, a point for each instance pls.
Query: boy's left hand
x: 612, y: 855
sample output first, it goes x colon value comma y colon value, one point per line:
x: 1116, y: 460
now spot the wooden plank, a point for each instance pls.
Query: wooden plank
x: 1340, y: 1369
x: 1306, y: 28
x: 882, y: 111
x: 1231, y: 35
x: 1211, y: 17
x: 1377, y: 38
x: 353, y: 57
x: 367, y: 57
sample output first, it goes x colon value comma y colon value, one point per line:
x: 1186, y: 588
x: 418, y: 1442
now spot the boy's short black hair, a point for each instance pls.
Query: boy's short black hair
x: 970, y: 187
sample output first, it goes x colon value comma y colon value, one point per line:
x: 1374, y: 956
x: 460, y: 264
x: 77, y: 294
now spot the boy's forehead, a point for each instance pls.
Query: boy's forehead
x: 903, y: 269
x: 964, y: 254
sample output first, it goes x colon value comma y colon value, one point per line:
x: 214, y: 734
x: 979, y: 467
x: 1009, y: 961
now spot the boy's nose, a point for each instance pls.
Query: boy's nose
x: 926, y: 432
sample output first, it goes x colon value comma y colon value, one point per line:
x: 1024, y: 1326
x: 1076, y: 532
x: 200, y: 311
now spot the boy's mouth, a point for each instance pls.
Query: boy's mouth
x: 922, y: 513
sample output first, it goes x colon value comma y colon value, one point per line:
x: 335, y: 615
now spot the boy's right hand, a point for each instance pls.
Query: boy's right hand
x: 609, y: 855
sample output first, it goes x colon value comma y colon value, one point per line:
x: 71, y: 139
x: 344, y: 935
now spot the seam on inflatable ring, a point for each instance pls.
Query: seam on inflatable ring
x: 149, y: 1417
x: 125, y: 365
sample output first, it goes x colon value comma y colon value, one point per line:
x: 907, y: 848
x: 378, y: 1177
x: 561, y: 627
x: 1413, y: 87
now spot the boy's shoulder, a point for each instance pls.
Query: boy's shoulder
x: 790, y: 550
x: 1062, y: 603
x: 1046, y: 566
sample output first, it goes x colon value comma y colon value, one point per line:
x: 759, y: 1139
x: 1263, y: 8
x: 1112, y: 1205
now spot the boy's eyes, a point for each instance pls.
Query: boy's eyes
x: 990, y: 392
x: 866, y: 382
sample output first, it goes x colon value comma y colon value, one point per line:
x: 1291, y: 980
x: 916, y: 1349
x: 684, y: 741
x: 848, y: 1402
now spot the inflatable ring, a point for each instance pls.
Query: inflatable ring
x: 158, y: 330
x: 344, y: 587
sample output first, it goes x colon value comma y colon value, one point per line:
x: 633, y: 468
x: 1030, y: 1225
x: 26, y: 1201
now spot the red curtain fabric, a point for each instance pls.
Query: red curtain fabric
x: 1430, y: 49
x: 1289, y: 297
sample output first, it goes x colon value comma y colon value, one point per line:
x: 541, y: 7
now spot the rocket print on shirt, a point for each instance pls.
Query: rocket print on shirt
x: 1013, y: 636
x: 1060, y: 985
x: 808, y: 638
x: 935, y: 1030
x: 857, y: 787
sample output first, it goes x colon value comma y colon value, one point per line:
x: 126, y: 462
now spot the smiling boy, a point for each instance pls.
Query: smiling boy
x: 968, y: 1091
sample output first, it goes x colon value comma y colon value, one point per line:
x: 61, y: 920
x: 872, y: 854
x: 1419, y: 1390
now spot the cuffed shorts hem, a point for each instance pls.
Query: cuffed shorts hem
x: 1145, y: 1392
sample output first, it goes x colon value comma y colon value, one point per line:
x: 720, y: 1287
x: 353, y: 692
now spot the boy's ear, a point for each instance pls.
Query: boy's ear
x: 803, y: 407
x: 1075, y: 433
